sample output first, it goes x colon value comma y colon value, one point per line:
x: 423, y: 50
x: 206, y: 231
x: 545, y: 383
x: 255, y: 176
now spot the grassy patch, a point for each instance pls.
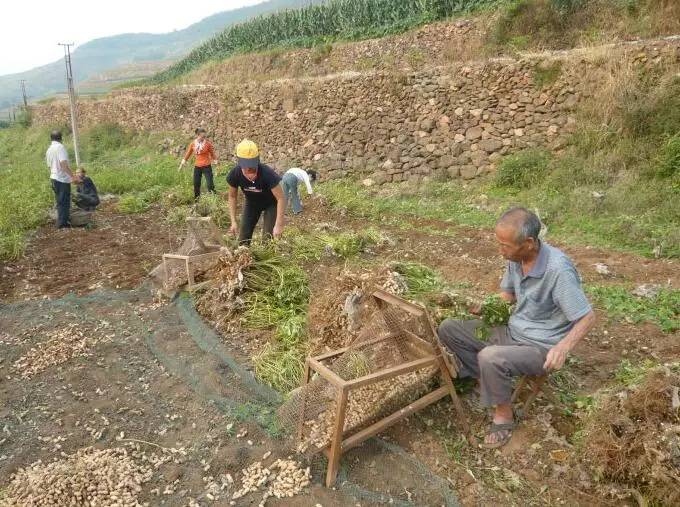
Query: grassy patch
x: 424, y: 285
x: 100, y: 140
x: 546, y: 73
x: 523, y: 170
x: 139, y: 202
x: 669, y: 161
x: 629, y: 374
x: 395, y: 204
x: 560, y: 24
x: 280, y: 367
x: 619, y: 303
x: 322, y: 51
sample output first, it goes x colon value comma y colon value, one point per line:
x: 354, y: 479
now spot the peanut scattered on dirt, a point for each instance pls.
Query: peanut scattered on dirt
x: 104, y: 477
x: 284, y: 478
x: 61, y: 345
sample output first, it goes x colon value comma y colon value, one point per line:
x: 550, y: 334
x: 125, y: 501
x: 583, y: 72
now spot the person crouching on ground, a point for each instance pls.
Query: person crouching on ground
x: 551, y: 316
x: 61, y: 178
x: 204, y: 152
x: 86, y: 197
x: 261, y: 187
x: 289, y: 183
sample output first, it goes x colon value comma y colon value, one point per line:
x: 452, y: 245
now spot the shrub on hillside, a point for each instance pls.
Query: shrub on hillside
x: 652, y: 108
x: 523, y: 169
x: 102, y: 138
x: 669, y: 161
x: 530, y: 20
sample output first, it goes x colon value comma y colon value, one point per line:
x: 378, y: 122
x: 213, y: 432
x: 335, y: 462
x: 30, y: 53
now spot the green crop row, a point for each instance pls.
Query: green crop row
x: 337, y: 19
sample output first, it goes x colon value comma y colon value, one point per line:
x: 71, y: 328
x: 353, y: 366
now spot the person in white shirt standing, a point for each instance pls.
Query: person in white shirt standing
x: 290, y: 181
x: 61, y: 178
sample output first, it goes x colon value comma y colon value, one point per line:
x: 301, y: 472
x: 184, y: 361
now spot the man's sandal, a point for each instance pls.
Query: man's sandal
x: 504, y: 430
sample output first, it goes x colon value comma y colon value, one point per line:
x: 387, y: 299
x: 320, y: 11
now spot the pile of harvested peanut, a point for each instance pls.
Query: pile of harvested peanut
x: 395, y: 283
x: 365, y: 404
x: 284, y: 478
x: 60, y: 346
x: 221, y: 300
x: 103, y: 477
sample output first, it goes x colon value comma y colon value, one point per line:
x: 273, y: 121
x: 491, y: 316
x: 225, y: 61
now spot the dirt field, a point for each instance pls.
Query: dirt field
x: 153, y: 374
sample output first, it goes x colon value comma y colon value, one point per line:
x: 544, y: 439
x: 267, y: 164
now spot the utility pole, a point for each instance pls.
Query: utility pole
x: 72, y: 98
x: 23, y: 93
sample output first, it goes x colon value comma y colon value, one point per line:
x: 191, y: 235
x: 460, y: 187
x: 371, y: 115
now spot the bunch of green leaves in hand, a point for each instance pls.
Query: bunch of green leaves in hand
x: 495, y: 311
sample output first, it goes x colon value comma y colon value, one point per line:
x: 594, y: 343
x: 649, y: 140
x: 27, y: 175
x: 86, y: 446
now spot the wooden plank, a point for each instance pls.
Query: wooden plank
x: 191, y: 258
x: 301, y: 421
x: 359, y: 345
x: 423, y: 344
x: 336, y: 442
x: 190, y: 274
x: 451, y: 390
x: 331, y: 354
x: 414, y: 352
x: 326, y: 372
x: 392, y: 419
x: 395, y: 371
x: 176, y: 256
x: 386, y: 297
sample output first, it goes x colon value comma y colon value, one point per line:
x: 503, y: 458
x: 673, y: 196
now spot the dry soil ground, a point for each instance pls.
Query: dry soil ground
x: 156, y: 373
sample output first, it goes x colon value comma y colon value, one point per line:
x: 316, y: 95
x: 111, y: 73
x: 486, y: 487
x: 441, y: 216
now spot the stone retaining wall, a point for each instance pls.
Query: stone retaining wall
x: 456, y: 121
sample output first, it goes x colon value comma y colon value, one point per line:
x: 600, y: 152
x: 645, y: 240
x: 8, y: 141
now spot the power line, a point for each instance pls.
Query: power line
x: 72, y: 98
x: 23, y: 93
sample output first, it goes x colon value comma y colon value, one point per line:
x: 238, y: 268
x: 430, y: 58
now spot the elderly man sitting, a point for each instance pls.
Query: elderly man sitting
x: 551, y: 316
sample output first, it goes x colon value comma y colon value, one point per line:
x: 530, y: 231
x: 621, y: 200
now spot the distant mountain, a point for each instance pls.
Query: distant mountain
x: 144, y: 52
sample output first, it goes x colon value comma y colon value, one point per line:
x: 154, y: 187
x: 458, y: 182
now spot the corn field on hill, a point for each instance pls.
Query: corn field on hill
x: 336, y: 19
x: 503, y: 28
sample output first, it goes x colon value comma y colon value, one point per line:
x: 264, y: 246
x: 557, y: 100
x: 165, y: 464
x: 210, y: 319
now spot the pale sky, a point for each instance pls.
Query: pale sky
x: 31, y: 29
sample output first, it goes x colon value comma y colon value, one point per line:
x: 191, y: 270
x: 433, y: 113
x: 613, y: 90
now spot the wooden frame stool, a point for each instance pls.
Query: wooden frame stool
x: 419, y: 352
x: 536, y: 384
x: 207, y: 245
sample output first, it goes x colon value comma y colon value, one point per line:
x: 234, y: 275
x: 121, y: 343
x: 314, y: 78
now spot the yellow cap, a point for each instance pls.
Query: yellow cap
x: 247, y: 154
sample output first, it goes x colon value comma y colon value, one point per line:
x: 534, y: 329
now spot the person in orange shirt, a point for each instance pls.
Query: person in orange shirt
x: 204, y: 151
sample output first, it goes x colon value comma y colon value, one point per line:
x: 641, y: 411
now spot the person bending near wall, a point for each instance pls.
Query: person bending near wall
x: 204, y: 152
x: 290, y: 181
x: 261, y: 187
x: 551, y: 316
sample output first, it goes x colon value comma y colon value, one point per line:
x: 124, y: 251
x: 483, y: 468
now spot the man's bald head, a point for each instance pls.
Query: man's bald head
x: 525, y: 223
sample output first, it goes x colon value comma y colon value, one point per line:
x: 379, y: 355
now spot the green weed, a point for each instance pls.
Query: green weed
x: 420, y: 280
x: 213, y: 206
x: 178, y: 215
x: 495, y: 311
x: 629, y: 374
x: 12, y: 245
x: 321, y: 51
x: 669, y: 160
x: 523, y: 170
x: 662, y: 310
x: 280, y: 367
x: 139, y: 202
x: 102, y: 139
